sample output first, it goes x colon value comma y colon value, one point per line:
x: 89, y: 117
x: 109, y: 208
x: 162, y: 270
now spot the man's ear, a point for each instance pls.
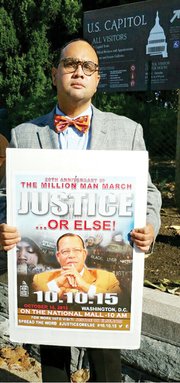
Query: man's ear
x: 57, y: 256
x: 54, y: 74
x: 98, y: 79
x: 97, y: 83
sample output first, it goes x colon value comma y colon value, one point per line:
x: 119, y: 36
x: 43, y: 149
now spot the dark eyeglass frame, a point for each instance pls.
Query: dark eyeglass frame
x: 76, y: 63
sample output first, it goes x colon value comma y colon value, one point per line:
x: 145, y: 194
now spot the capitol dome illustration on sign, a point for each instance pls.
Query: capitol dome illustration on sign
x: 157, y: 40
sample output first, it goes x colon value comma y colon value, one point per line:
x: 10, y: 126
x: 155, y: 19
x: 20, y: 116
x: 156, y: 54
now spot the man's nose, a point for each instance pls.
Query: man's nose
x: 79, y: 71
x: 72, y: 254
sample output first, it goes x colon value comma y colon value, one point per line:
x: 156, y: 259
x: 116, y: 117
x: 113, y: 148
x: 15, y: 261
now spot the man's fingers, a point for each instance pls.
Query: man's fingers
x: 143, y: 237
x: 72, y: 281
x: 5, y: 227
x: 143, y: 245
x: 7, y: 231
x: 9, y: 244
x: 9, y: 236
x: 9, y: 247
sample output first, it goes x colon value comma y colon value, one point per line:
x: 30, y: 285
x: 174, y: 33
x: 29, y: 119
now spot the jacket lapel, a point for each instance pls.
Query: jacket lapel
x: 89, y: 275
x: 47, y: 136
x: 99, y: 134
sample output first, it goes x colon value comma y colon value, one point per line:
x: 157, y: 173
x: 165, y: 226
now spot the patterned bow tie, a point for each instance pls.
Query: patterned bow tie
x: 80, y: 123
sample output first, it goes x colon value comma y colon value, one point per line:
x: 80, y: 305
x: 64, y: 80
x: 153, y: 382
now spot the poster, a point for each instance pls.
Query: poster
x: 75, y: 278
x: 138, y: 45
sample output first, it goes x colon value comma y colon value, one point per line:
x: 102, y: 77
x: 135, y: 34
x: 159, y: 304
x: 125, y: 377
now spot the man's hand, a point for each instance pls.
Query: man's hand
x: 63, y: 281
x: 143, y: 237
x: 98, y: 239
x: 9, y: 236
x: 74, y: 279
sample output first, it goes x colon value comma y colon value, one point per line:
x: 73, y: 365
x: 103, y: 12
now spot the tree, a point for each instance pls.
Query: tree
x: 27, y: 52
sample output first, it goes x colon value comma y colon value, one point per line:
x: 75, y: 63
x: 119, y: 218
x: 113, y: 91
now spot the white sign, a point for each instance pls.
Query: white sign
x: 87, y: 290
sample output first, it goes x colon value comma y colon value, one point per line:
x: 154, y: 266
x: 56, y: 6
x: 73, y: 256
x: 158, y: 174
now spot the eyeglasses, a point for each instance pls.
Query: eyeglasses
x: 71, y: 65
x: 67, y: 252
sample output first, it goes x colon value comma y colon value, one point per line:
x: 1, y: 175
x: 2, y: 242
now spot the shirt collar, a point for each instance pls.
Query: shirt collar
x: 87, y: 112
x: 82, y: 272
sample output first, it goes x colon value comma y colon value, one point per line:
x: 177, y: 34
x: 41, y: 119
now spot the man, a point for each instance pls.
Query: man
x: 76, y: 79
x: 74, y: 275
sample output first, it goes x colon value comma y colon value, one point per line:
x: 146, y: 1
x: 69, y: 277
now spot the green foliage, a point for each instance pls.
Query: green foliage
x: 32, y: 107
x: 163, y: 131
x: 15, y: 77
x: 122, y: 104
x: 37, y: 62
x: 8, y: 49
x: 8, y: 39
x: 70, y: 10
x: 26, y: 28
x: 159, y: 122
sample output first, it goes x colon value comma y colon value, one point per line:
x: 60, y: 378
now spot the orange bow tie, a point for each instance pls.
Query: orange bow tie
x: 80, y: 123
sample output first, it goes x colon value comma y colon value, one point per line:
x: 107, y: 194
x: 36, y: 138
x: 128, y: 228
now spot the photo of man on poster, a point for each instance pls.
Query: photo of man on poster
x: 74, y: 276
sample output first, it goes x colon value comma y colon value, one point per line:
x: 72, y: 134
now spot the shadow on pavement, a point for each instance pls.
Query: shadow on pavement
x: 6, y: 376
